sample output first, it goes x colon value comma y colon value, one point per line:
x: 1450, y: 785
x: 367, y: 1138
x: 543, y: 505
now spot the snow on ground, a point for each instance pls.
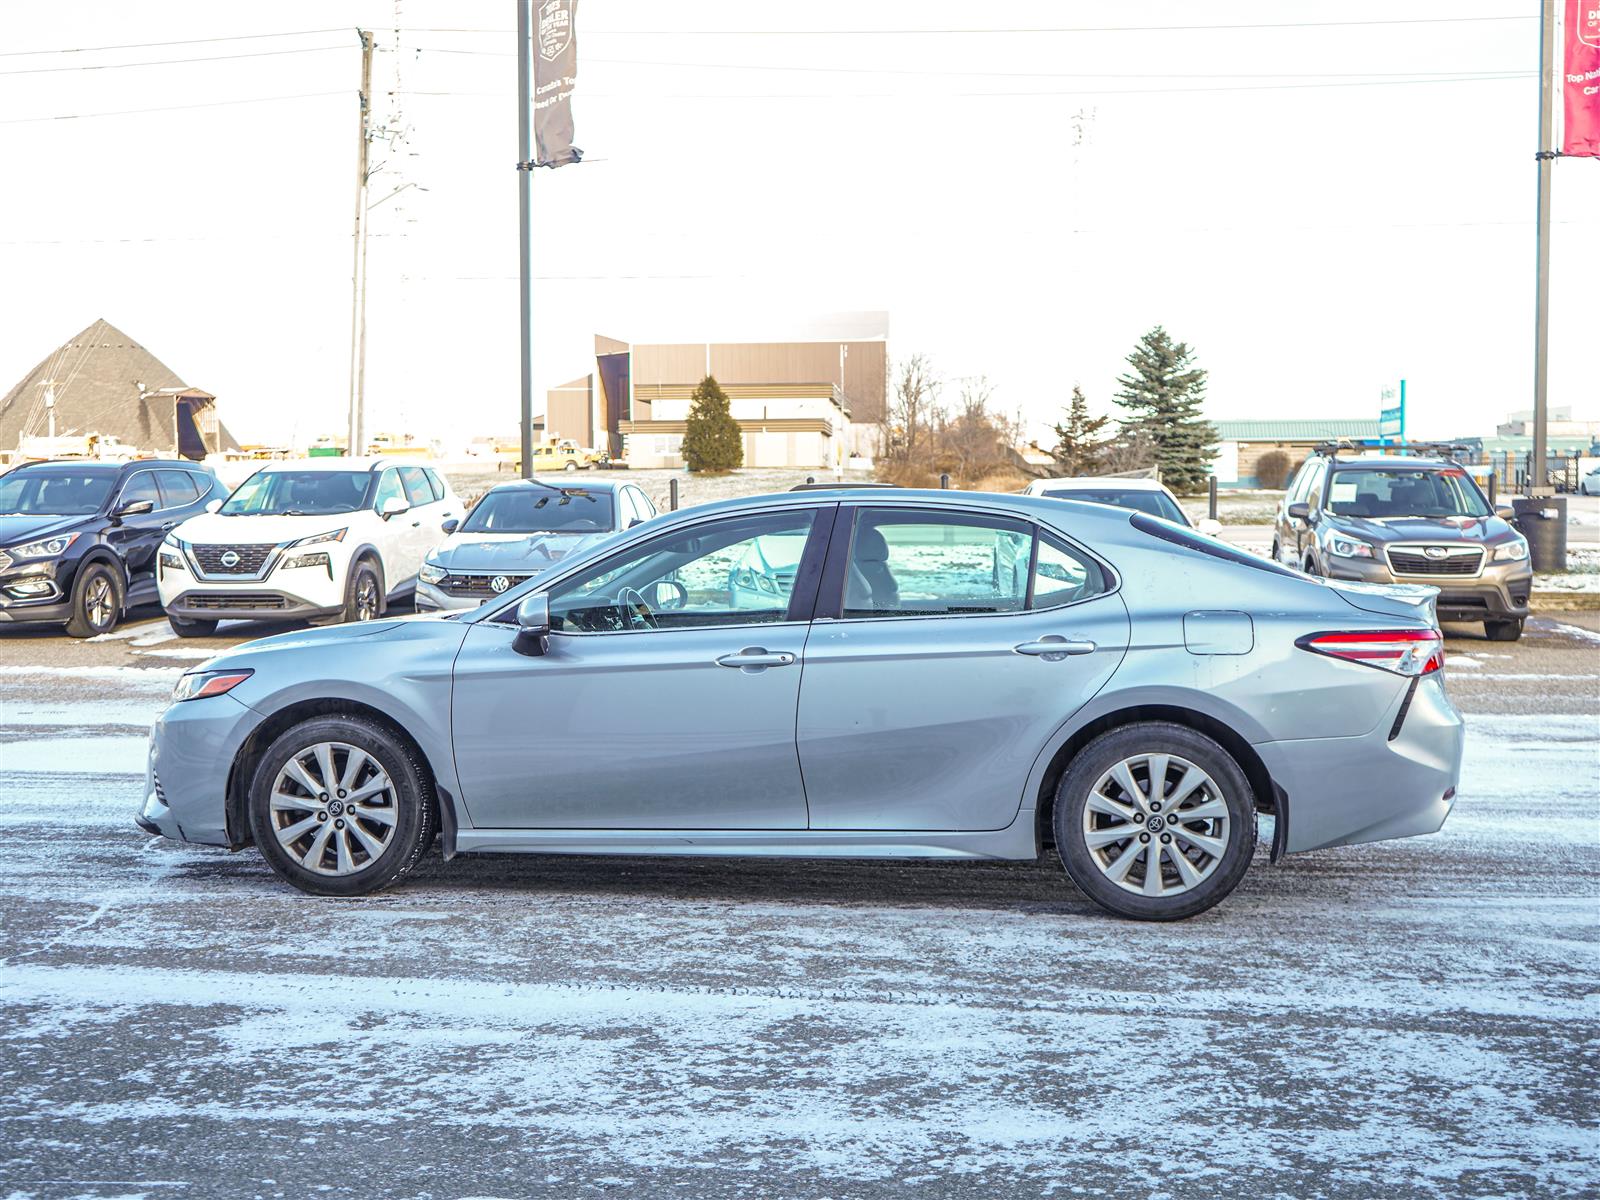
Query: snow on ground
x: 1407, y: 1019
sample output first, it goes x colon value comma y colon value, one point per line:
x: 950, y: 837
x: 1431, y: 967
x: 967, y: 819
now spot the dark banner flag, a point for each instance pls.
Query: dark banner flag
x: 555, y: 75
x: 1580, y: 80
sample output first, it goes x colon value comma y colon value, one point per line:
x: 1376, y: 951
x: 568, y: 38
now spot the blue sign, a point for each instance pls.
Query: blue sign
x: 1392, y: 414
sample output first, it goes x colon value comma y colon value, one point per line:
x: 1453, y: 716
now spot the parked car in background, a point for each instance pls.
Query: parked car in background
x: 564, y: 456
x: 79, y: 538
x: 1389, y: 518
x: 1141, y: 495
x: 1134, y: 699
x: 520, y: 529
x: 1589, y: 484
x: 321, y: 538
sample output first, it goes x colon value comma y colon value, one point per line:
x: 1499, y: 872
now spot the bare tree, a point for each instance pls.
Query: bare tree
x: 914, y: 410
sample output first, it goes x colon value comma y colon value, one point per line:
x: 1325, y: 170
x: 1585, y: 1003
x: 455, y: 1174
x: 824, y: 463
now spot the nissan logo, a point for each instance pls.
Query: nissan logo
x: 499, y: 583
x: 230, y: 558
x: 1436, y: 551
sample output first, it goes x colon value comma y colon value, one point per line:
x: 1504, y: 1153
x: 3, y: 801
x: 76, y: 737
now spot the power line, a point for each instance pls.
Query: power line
x: 128, y: 112
x: 238, y: 37
x: 168, y: 62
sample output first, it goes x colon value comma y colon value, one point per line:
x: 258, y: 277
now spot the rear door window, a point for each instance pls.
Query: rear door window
x: 177, y: 488
x: 434, y: 482
x: 418, y: 490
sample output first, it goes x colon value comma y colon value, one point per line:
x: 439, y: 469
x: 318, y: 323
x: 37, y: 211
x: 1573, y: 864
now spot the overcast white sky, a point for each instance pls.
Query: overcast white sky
x: 1312, y: 242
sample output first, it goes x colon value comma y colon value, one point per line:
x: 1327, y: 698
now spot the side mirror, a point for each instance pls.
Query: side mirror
x: 1300, y: 511
x: 1505, y: 513
x: 393, y: 507
x: 1209, y: 527
x: 533, y: 624
x: 135, y: 507
x: 450, y: 526
x: 213, y: 505
x: 635, y: 521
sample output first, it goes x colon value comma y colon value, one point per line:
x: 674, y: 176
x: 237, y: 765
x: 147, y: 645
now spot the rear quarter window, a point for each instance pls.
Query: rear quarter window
x: 1178, y: 535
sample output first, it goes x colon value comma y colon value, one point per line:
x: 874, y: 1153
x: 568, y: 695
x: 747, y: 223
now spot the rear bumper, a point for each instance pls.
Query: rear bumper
x: 1500, y: 593
x: 1371, y: 788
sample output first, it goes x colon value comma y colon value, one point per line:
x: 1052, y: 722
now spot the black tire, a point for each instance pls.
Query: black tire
x: 570, y: 466
x: 1311, y: 566
x: 363, y: 593
x: 96, y: 601
x: 414, y: 806
x: 1503, y: 631
x: 189, y: 629
x: 1277, y: 551
x: 1218, y: 875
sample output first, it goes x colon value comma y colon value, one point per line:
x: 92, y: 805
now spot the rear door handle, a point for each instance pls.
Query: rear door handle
x: 1053, y: 648
x: 756, y: 658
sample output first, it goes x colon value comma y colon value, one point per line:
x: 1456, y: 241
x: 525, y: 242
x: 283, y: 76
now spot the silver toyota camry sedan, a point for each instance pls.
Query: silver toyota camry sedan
x: 870, y: 673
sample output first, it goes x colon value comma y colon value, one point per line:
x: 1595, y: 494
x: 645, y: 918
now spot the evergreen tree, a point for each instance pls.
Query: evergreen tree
x: 1163, y: 396
x: 711, y: 437
x: 1080, y: 447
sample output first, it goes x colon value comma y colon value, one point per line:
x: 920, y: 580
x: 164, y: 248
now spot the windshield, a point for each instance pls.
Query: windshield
x: 1157, y: 504
x: 525, y: 510
x: 298, y: 493
x: 55, y: 491
x: 1369, y: 493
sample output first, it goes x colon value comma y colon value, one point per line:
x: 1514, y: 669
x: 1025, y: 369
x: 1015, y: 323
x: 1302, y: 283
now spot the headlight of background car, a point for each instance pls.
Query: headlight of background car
x: 171, y: 560
x: 432, y: 572
x: 45, y: 547
x: 318, y: 559
x: 333, y: 535
x: 1348, y: 547
x: 1512, y: 551
x: 197, y: 685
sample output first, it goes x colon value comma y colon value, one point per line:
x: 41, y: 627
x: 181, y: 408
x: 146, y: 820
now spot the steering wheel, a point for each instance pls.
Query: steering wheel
x: 636, y: 613
x: 668, y: 595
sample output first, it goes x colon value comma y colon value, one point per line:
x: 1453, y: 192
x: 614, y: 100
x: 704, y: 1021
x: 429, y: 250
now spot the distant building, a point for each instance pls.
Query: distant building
x: 103, y: 387
x: 810, y: 401
x: 1558, y: 426
x: 1240, y: 444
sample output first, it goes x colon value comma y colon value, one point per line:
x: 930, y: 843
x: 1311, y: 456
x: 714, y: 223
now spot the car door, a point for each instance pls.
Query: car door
x: 659, y: 703
x: 136, y: 537
x: 931, y: 683
x: 422, y: 521
x: 394, y: 536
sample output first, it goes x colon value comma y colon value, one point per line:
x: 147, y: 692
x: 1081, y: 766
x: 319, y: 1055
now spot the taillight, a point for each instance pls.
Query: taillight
x: 1403, y: 651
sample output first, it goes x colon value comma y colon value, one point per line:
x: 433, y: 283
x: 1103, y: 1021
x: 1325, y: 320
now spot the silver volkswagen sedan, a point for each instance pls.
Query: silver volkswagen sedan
x: 839, y: 673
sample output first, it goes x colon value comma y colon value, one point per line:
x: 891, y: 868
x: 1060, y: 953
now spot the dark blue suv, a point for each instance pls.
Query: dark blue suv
x: 79, y: 538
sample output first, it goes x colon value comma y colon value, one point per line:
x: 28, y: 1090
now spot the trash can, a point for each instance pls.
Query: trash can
x: 1543, y: 521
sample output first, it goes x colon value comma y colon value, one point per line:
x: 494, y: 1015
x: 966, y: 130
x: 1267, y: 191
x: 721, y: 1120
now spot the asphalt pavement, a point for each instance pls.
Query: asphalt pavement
x: 1406, y: 1019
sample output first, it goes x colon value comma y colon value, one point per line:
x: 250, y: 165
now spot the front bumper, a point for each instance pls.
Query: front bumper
x: 1500, y: 592
x: 36, y: 590
x: 203, y: 603
x: 434, y: 599
x: 1374, y: 787
x: 192, y: 747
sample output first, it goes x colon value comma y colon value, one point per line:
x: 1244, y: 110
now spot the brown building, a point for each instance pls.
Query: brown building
x: 809, y: 402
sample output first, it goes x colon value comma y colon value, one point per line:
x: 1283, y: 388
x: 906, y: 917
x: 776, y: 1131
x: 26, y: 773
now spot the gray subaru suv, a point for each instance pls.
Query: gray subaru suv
x: 1389, y: 518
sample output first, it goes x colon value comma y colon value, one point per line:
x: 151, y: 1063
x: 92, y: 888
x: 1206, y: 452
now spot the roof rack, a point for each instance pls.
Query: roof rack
x: 1445, y: 450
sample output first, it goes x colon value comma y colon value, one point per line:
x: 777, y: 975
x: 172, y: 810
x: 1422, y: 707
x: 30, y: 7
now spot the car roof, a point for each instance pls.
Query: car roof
x: 331, y: 462
x: 100, y: 464
x: 1388, y: 462
x: 1090, y: 483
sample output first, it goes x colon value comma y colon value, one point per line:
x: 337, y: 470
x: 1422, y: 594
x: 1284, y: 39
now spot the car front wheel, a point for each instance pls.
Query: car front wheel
x: 1503, y: 631
x: 96, y: 601
x: 363, y: 594
x: 1155, y: 821
x: 340, y: 806
x: 189, y: 629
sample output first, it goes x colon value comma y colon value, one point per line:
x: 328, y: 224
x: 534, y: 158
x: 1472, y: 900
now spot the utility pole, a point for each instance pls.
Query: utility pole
x: 1537, y: 485
x: 525, y: 222
x: 358, y: 298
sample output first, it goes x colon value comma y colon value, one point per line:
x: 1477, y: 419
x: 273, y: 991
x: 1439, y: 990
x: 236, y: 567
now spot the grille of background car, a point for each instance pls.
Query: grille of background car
x: 1458, y: 560
x: 476, y: 585
x: 251, y: 558
x: 244, y: 600
x: 5, y: 560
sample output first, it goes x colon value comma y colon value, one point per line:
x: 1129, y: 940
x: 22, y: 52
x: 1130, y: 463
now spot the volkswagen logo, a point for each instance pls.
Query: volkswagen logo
x: 499, y: 583
x: 1435, y: 551
x: 230, y: 558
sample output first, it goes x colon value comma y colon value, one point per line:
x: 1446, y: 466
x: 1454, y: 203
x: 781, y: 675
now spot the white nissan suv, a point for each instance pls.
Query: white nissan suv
x: 314, y: 539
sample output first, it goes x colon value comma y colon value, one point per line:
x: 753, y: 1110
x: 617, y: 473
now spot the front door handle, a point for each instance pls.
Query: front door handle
x: 1053, y: 647
x: 756, y: 658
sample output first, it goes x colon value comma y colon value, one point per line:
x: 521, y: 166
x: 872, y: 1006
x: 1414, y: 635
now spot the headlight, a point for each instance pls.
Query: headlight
x: 172, y: 542
x: 171, y: 561
x: 197, y: 685
x: 333, y: 535
x: 319, y: 559
x: 45, y: 547
x: 1345, y: 547
x: 432, y: 572
x: 1512, y: 551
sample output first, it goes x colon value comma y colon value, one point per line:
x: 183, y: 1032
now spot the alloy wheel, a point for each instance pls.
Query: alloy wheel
x: 98, y: 602
x: 333, y: 808
x: 366, y: 598
x: 1156, y: 824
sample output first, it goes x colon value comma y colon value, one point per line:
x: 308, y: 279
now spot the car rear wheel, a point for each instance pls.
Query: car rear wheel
x: 1503, y: 631
x: 1155, y: 821
x: 96, y: 601
x: 189, y: 629
x: 342, y: 807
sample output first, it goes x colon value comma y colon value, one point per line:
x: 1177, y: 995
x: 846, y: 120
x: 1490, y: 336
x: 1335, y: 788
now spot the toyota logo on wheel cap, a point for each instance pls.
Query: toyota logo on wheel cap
x: 499, y: 583
x: 230, y: 558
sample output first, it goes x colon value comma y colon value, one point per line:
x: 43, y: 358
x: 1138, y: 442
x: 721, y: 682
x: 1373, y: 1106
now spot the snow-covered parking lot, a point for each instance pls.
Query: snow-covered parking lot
x: 1408, y: 1019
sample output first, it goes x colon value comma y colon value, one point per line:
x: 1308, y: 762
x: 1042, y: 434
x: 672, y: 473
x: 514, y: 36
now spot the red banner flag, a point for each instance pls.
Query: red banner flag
x: 1580, y: 80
